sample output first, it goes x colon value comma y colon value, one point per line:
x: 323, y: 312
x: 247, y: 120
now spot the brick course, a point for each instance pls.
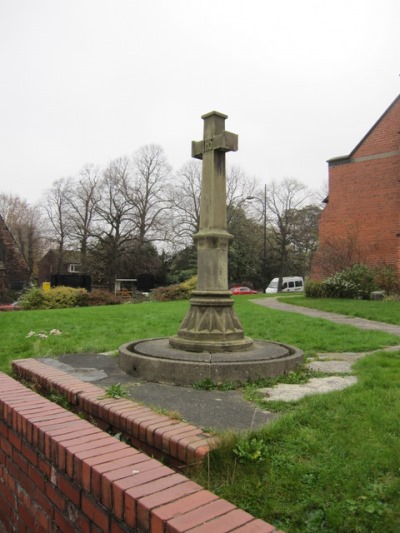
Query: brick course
x: 61, y: 474
x: 159, y: 435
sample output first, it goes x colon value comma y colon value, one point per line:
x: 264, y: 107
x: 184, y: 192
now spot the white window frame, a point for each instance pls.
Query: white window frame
x: 74, y: 268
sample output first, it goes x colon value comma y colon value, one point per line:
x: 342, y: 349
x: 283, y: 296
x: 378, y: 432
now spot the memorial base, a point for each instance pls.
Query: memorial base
x: 211, y: 325
x: 155, y: 360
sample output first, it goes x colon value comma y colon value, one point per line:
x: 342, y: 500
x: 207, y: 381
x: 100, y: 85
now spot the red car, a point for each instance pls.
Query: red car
x: 9, y: 307
x: 242, y: 290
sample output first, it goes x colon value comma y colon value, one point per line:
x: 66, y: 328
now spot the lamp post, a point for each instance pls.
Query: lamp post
x: 264, y: 206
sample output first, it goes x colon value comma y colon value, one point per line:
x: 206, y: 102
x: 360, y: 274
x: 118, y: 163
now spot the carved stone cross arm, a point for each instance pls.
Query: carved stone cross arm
x: 225, y: 142
x: 215, y: 136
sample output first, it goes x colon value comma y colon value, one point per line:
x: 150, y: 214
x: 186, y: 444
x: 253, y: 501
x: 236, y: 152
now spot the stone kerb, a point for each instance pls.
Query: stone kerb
x: 60, y: 473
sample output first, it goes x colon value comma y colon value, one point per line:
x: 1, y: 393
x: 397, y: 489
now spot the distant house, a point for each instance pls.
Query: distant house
x: 361, y: 221
x: 14, y: 269
x: 49, y: 265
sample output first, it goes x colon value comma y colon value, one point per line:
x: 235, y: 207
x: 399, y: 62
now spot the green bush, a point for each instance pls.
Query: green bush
x: 314, y: 289
x: 358, y: 280
x: 386, y: 279
x: 337, y: 286
x: 62, y: 297
x: 354, y: 282
x: 179, y: 291
x: 392, y: 298
x: 33, y: 299
x: 181, y: 276
x: 56, y: 298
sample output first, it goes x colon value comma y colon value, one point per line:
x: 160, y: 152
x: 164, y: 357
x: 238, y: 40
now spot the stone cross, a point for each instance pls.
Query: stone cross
x: 211, y: 324
x: 213, y: 237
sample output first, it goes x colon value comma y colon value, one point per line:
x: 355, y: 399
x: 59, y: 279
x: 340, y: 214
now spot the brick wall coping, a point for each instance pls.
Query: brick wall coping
x: 58, y: 472
x: 152, y: 432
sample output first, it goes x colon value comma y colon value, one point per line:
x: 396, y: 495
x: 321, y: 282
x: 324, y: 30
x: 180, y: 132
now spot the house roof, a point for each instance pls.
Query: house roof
x: 69, y: 256
x: 6, y: 228
x: 345, y: 158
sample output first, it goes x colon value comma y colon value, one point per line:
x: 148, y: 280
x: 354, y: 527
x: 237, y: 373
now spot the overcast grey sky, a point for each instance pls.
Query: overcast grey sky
x: 86, y: 81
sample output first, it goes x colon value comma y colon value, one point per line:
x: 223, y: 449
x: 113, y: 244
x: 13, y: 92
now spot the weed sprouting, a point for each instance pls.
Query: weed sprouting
x: 208, y: 384
x: 59, y: 399
x: 116, y: 390
x: 252, y: 450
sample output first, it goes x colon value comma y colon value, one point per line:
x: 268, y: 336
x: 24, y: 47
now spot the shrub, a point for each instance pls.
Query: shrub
x: 56, y: 298
x: 190, y: 284
x: 385, y: 277
x: 99, y: 297
x: 354, y: 282
x: 179, y: 291
x: 314, y: 289
x: 338, y: 287
x: 392, y: 298
x: 33, y: 299
x: 62, y: 297
x: 181, y: 276
x: 360, y: 277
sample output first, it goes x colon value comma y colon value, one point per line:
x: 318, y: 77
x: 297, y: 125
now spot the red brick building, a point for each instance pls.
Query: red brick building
x: 50, y: 264
x: 361, y: 221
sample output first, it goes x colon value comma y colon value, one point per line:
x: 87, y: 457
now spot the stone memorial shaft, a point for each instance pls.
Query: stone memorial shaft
x: 211, y: 325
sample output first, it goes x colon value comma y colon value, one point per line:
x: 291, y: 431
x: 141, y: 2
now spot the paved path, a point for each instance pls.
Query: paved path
x: 362, y: 323
x: 329, y: 363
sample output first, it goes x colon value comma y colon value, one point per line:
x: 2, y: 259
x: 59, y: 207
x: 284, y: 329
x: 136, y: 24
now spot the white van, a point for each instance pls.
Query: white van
x: 291, y: 284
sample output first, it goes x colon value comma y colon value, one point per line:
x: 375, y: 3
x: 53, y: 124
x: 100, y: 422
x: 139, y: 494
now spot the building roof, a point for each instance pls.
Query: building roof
x: 69, y: 256
x: 6, y: 228
x: 345, y: 158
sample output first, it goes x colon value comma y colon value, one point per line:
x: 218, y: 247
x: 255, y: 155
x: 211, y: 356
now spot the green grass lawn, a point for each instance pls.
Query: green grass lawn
x: 332, y: 464
x: 382, y: 311
x: 105, y: 328
x: 85, y: 329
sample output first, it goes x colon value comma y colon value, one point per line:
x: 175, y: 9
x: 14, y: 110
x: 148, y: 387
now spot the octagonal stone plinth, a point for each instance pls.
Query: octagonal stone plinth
x: 155, y: 360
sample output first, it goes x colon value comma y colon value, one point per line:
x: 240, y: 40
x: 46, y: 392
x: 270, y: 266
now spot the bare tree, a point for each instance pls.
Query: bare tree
x: 184, y: 199
x: 56, y: 206
x: 338, y: 253
x: 151, y: 177
x: 304, y: 237
x: 114, y: 227
x: 26, y: 225
x: 283, y: 199
x: 83, y: 200
x: 239, y: 187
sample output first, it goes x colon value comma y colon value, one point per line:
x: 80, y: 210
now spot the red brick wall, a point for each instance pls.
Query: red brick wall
x: 364, y: 199
x: 384, y: 136
x: 177, y: 442
x: 59, y: 473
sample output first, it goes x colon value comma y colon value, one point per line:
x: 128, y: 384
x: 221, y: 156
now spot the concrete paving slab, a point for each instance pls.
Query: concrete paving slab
x: 85, y: 374
x: 288, y: 393
x: 331, y: 367
x: 344, y: 356
x: 361, y: 323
